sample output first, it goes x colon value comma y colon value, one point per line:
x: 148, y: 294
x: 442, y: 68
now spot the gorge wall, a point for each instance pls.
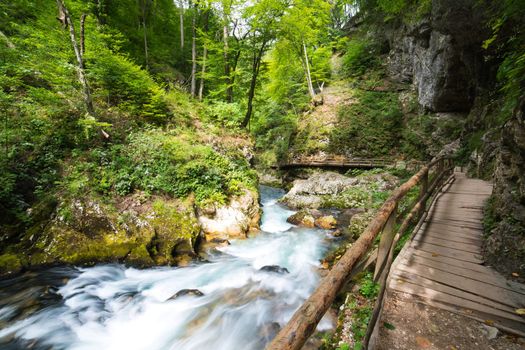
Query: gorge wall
x: 442, y: 55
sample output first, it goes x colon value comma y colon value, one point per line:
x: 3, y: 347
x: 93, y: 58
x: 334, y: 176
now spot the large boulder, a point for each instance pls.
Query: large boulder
x: 233, y: 220
x: 333, y: 190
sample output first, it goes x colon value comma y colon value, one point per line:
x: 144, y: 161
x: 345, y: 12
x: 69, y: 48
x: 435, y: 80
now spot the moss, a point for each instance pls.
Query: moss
x: 176, y: 228
x: 10, y: 263
x: 139, y: 256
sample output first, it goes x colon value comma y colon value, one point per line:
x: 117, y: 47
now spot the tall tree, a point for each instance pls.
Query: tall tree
x: 181, y: 22
x: 65, y: 18
x: 144, y: 7
x: 263, y: 18
x: 303, y: 26
x: 226, y: 11
x: 194, y: 51
x: 204, y: 53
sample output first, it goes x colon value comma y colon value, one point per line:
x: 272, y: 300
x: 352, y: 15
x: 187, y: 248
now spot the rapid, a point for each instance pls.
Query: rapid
x: 237, y: 300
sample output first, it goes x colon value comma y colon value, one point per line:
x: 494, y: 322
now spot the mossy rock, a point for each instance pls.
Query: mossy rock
x: 10, y: 263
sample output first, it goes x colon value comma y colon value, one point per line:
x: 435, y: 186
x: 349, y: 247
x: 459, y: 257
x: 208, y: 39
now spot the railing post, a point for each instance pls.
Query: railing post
x: 387, y: 237
x: 422, y: 192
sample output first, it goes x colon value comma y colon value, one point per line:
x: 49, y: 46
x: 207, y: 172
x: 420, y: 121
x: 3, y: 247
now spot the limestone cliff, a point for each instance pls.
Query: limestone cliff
x: 441, y: 54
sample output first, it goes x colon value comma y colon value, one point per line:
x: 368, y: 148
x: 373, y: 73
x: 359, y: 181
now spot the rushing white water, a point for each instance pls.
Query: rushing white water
x: 113, y: 307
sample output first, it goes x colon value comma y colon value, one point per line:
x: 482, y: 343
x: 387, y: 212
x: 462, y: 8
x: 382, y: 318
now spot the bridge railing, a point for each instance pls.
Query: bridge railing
x: 431, y: 178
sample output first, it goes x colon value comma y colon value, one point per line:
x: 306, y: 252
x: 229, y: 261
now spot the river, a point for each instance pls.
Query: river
x: 113, y: 307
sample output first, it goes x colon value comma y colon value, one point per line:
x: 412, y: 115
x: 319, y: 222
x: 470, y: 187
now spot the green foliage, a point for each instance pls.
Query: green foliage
x: 507, y: 44
x: 228, y: 115
x: 9, y: 262
x: 370, y: 127
x: 359, y: 56
x: 368, y: 288
x: 159, y: 162
x: 122, y: 83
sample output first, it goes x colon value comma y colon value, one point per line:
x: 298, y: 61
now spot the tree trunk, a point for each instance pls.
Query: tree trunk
x: 181, y: 4
x: 204, y: 56
x: 194, y: 52
x: 311, y: 90
x: 256, y: 65
x: 146, y: 54
x: 144, y: 9
x: 227, y: 78
x: 82, y: 34
x: 65, y: 18
x: 99, y: 11
x: 203, y: 72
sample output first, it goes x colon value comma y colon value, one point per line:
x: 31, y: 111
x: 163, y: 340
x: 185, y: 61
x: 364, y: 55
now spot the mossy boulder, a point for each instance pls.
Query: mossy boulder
x: 139, y: 230
x: 10, y: 263
x: 133, y: 230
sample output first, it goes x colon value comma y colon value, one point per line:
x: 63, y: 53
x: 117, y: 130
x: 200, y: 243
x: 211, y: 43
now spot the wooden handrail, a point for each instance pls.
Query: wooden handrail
x: 304, y: 321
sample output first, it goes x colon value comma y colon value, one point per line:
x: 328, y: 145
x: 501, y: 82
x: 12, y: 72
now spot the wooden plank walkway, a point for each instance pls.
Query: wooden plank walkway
x: 443, y: 265
x: 333, y: 161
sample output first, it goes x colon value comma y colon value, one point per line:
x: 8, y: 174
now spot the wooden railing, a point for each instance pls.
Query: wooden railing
x: 304, y: 322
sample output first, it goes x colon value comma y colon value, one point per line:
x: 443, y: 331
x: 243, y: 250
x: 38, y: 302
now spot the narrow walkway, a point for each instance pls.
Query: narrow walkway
x: 443, y: 266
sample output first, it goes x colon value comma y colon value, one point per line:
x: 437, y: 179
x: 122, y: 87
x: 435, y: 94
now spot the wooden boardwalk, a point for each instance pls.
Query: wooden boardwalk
x: 443, y: 265
x: 334, y: 161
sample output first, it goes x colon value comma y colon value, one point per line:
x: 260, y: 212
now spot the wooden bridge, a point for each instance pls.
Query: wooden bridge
x: 335, y: 161
x: 441, y: 264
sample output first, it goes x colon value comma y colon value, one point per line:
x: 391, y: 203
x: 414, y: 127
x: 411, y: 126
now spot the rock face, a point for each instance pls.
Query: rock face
x: 441, y: 55
x: 234, y: 220
x: 505, y: 246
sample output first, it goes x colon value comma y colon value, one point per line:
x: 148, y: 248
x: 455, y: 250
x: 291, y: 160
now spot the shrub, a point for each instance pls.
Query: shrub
x: 360, y: 55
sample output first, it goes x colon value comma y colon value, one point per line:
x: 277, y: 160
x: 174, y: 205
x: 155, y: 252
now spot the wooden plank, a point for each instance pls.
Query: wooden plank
x: 424, y: 283
x: 452, y: 237
x: 475, y: 267
x: 466, y: 284
x: 472, y: 225
x: 471, y: 248
x: 448, y: 252
x: 457, y: 228
x: 437, y: 227
x: 488, y: 276
x: 462, y: 306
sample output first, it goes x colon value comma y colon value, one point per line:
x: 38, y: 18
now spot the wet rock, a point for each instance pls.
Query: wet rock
x: 336, y: 191
x: 326, y: 222
x: 187, y: 292
x: 302, y: 218
x: 337, y: 233
x: 275, y: 269
x: 233, y: 220
x: 306, y: 193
